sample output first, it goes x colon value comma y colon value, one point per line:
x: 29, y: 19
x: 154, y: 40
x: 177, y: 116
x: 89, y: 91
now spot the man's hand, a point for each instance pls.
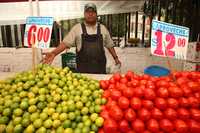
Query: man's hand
x: 117, y: 61
x: 49, y: 57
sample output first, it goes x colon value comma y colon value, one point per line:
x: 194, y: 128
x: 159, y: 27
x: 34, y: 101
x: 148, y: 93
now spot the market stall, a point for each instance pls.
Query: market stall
x: 43, y: 98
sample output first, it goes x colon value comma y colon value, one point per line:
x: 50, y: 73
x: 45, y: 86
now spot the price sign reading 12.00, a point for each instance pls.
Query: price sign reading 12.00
x: 169, y: 40
x: 38, y: 31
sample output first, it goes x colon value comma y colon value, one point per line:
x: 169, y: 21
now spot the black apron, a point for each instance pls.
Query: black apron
x: 91, y: 57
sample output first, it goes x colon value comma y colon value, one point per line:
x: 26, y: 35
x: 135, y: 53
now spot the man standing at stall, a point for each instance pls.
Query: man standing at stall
x: 89, y: 38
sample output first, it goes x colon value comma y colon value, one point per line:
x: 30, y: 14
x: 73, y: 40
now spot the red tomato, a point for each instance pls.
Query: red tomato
x: 175, y: 92
x: 195, y: 75
x: 170, y: 113
x: 116, y: 113
x: 154, y: 79
x: 110, y: 126
x: 111, y: 86
x: 145, y: 76
x: 124, y: 126
x: 183, y: 113
x: 106, y: 94
x: 107, y: 82
x: 197, y: 95
x: 123, y: 80
x: 166, y: 78
x: 153, y: 125
x: 184, y: 102
x: 103, y: 84
x: 130, y: 131
x: 115, y: 94
x: 166, y: 125
x: 146, y: 131
x: 176, y: 74
x: 172, y: 103
x: 172, y: 84
x: 138, y: 92
x: 138, y: 125
x: 150, y: 86
x: 156, y: 114
x: 134, y: 82
x: 194, y: 86
x: 150, y: 82
x: 137, y: 77
x: 129, y: 84
x: 147, y: 104
x: 112, y: 80
x: 117, y: 77
x: 110, y: 104
x: 105, y: 114
x: 143, y: 87
x: 129, y: 75
x: 130, y: 114
x: 162, y: 92
x: 181, y: 80
x: 144, y: 114
x: 162, y: 83
x: 121, y: 86
x: 194, y: 102
x: 149, y: 94
x: 186, y: 90
x: 194, y: 126
x: 136, y: 103
x: 181, y: 126
x: 103, y: 107
x: 185, y: 74
x: 195, y: 113
x: 128, y: 92
x: 161, y: 103
x: 100, y: 130
x: 143, y: 82
x: 123, y: 102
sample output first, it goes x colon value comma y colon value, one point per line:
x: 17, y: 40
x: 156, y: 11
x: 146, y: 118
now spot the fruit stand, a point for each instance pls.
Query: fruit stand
x: 58, y: 100
x: 51, y: 99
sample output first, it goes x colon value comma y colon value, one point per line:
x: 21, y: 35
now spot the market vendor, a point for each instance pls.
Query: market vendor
x: 89, y: 38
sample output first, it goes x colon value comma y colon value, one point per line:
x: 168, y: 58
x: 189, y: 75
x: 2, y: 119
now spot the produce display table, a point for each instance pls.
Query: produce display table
x: 124, y: 102
x: 4, y: 75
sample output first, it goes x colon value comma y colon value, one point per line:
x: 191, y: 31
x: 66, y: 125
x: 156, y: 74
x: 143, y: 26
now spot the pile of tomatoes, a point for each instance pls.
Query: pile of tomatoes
x: 144, y: 104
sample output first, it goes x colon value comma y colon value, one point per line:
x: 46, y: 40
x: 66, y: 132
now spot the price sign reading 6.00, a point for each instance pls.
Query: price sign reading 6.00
x: 38, y: 31
x: 169, y: 40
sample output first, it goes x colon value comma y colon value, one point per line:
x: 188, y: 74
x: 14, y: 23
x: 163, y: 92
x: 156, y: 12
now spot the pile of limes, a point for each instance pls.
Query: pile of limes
x: 52, y: 100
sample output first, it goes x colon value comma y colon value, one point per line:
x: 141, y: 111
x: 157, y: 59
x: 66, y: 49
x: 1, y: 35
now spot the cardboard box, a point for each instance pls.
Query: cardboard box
x: 193, y: 52
x: 6, y: 67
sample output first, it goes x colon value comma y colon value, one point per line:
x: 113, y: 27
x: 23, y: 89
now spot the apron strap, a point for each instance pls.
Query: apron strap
x: 83, y: 28
x: 98, y: 29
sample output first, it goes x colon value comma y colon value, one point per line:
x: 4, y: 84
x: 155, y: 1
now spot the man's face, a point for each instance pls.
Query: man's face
x: 90, y: 16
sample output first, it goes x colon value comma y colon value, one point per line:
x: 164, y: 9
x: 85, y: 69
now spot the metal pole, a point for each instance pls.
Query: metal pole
x: 38, y: 7
x: 129, y: 24
x: 30, y: 7
x: 125, y: 29
x: 118, y: 29
x: 143, y: 29
x: 136, y: 24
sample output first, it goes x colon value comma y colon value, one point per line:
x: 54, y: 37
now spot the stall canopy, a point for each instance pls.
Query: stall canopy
x: 16, y: 12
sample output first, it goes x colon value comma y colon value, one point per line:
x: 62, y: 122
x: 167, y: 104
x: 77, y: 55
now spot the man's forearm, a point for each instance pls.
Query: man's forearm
x: 61, y: 47
x: 113, y: 53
